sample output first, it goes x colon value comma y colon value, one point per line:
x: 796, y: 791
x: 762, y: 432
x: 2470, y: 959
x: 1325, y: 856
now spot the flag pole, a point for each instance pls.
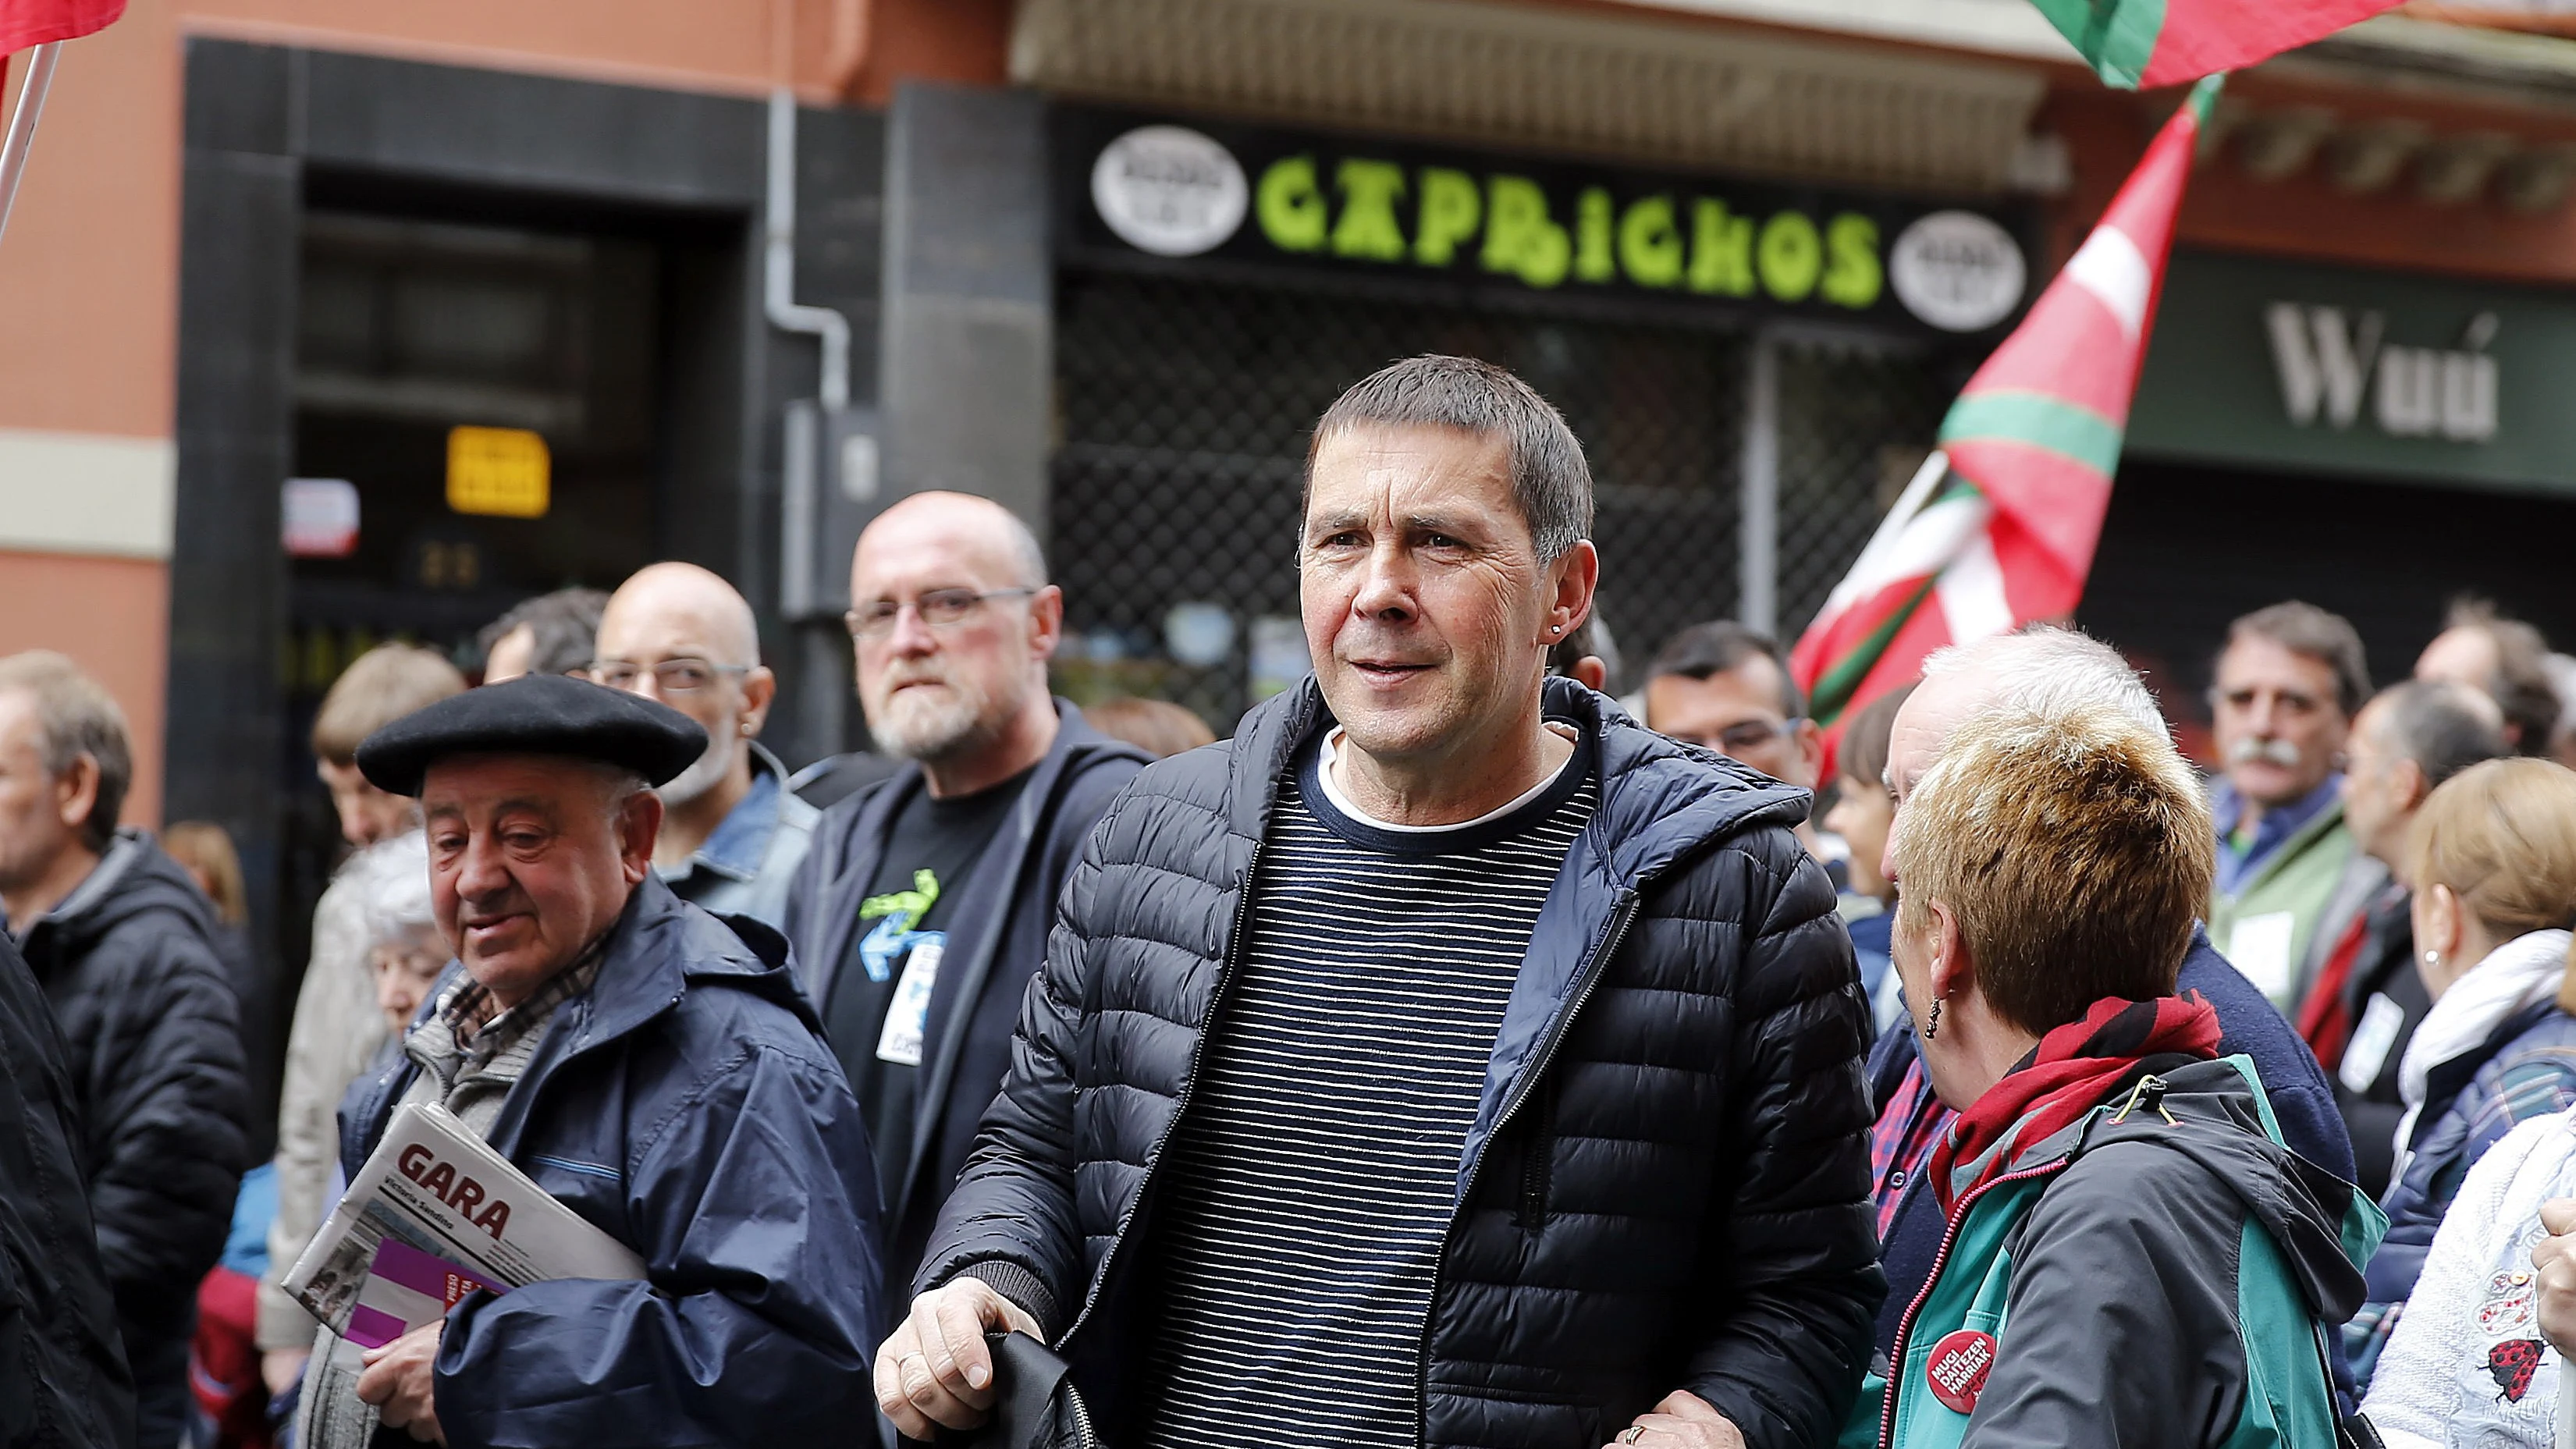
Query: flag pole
x: 22, y: 125
x: 1918, y: 491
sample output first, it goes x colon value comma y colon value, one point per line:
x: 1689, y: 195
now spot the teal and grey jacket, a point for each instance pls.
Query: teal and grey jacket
x: 2153, y: 1276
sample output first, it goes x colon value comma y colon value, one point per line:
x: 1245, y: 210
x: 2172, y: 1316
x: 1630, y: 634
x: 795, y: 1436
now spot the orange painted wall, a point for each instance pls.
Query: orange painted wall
x: 89, y: 267
x: 110, y: 616
x: 89, y: 270
x: 957, y: 40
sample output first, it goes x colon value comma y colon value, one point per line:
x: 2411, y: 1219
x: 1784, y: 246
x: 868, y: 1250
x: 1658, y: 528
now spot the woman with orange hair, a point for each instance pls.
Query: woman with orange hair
x: 2131, y: 1256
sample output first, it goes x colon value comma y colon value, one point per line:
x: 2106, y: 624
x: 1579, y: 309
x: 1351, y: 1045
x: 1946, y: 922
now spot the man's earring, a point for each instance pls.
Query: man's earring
x: 1932, y: 1028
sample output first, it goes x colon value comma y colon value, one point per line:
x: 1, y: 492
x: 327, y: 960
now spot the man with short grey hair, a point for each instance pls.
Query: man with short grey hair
x: 122, y: 942
x: 922, y: 906
x: 2367, y: 997
x: 1446, y: 1060
x: 2047, y: 671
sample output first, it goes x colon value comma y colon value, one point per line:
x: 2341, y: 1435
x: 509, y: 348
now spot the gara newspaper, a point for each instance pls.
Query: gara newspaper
x: 434, y: 1215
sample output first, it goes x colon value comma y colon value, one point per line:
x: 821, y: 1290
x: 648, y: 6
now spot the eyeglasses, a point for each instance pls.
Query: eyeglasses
x: 939, y: 608
x: 1751, y: 734
x: 670, y: 676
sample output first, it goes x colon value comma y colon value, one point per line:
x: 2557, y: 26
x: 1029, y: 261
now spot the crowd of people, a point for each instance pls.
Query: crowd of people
x: 1454, y: 1055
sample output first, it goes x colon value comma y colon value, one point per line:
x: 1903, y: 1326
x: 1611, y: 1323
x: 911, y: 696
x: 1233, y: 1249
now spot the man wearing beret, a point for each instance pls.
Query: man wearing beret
x: 654, y: 1067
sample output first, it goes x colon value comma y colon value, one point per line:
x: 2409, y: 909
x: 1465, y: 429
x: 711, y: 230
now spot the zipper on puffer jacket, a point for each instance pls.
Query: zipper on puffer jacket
x: 1941, y: 1259
x: 1621, y: 915
x: 1084, y: 1437
x: 1189, y: 1085
x: 1538, y: 1160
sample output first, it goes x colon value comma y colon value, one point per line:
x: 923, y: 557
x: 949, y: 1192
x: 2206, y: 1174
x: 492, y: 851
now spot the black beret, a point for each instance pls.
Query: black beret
x: 535, y: 714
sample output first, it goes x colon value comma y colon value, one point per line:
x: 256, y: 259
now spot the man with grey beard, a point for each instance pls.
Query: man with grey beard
x: 923, y: 906
x: 732, y: 833
x: 2286, y: 689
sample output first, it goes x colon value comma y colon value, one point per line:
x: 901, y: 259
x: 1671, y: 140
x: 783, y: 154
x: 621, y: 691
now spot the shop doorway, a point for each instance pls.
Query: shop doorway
x: 568, y: 335
x: 408, y: 330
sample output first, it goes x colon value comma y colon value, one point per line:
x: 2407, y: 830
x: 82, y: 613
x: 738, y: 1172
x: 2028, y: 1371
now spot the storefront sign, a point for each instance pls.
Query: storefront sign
x: 1134, y: 186
x: 2328, y: 358
x: 319, y: 517
x: 499, y: 472
x: 2277, y: 364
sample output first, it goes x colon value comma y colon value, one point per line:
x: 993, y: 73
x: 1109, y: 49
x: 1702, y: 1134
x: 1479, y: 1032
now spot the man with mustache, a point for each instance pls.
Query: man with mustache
x: 2287, y: 686
x: 923, y: 905
x: 732, y: 833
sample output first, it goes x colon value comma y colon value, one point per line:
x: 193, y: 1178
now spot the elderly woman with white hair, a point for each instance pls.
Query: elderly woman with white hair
x: 2131, y: 1255
x: 404, y: 947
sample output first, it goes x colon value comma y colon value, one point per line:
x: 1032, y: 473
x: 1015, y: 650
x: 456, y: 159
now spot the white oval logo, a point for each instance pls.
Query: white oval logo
x: 1958, y: 271
x: 1199, y: 634
x: 1169, y: 190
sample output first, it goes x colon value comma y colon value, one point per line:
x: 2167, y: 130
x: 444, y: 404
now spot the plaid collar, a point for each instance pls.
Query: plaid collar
x: 473, y: 1015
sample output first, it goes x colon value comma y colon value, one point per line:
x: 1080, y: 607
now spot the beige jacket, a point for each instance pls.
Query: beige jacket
x: 336, y: 1035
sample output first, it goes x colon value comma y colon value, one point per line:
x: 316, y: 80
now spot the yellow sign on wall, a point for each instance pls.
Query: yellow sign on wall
x: 498, y: 472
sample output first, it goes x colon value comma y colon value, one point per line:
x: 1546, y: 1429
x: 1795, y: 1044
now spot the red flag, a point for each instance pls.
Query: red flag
x: 38, y: 22
x: 2150, y: 43
x: 1999, y: 527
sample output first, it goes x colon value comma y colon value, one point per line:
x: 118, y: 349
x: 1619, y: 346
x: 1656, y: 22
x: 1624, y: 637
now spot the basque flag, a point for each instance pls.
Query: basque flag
x: 1998, y: 528
x: 39, y: 22
x: 2134, y: 43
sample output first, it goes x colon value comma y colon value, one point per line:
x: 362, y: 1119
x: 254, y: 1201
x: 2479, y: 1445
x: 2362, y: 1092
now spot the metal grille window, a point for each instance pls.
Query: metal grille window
x: 1855, y: 422
x: 1185, y: 411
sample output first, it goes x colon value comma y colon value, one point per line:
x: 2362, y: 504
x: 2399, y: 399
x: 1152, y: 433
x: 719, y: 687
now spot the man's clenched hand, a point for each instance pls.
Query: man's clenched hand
x: 935, y: 1370
x: 398, y: 1381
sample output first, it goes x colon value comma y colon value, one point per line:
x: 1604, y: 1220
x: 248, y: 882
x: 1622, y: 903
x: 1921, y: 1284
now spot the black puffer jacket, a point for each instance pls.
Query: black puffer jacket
x: 63, y: 1383
x: 1666, y: 1186
x: 129, y: 963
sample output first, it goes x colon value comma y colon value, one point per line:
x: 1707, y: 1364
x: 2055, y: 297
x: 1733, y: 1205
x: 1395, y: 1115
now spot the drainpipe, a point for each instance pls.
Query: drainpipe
x: 1758, y: 514
x: 778, y: 291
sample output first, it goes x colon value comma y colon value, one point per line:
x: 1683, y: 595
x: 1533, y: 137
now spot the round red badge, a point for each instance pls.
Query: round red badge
x: 1956, y: 1372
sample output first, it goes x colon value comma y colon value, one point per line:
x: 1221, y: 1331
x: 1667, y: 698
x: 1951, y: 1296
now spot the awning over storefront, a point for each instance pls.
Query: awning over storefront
x: 1670, y: 92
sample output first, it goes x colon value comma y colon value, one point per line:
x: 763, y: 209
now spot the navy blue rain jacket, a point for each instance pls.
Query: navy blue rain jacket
x: 688, y: 1106
x: 2525, y: 1068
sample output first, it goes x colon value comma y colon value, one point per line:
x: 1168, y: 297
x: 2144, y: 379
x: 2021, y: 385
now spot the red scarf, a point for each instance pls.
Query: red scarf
x: 2067, y: 1075
x: 2324, y: 1021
